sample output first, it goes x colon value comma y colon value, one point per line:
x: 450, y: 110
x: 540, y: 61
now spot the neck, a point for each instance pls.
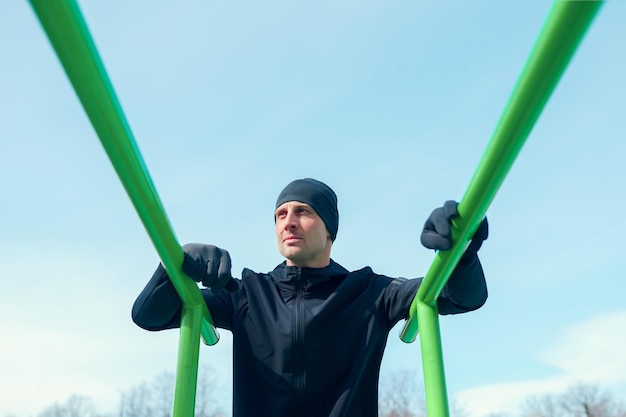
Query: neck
x: 310, y: 264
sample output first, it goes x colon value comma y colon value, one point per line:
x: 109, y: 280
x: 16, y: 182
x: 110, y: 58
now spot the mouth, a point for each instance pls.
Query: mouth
x: 291, y: 239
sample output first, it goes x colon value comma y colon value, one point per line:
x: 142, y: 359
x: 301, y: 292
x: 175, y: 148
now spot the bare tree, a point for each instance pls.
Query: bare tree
x: 136, y: 402
x: 585, y: 400
x: 79, y: 406
x: 205, y: 396
x: 162, y: 394
x: 156, y: 398
x: 75, y: 406
x: 55, y: 410
x: 400, y: 396
x: 581, y: 400
x: 546, y: 405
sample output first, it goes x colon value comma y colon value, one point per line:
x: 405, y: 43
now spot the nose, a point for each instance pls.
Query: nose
x: 290, y: 220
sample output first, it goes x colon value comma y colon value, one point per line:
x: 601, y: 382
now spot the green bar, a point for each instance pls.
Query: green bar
x: 564, y: 29
x: 70, y: 38
x: 432, y: 361
x: 187, y: 366
x: 69, y: 35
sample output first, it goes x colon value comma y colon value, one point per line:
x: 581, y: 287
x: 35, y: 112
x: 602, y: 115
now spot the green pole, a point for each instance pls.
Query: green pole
x: 68, y: 33
x: 187, y: 365
x: 72, y: 42
x: 432, y: 361
x: 564, y: 29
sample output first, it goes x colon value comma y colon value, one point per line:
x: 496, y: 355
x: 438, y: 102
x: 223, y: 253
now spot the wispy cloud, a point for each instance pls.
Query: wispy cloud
x: 589, y: 351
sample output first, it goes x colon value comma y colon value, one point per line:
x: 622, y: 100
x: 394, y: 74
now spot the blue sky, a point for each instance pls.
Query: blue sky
x: 391, y: 103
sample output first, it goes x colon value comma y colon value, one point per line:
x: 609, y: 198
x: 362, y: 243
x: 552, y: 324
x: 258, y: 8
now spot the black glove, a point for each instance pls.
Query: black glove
x: 210, y: 265
x: 479, y: 237
x: 437, y: 232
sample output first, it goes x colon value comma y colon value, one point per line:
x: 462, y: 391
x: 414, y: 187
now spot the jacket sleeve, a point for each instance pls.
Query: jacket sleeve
x: 466, y: 290
x: 158, y: 306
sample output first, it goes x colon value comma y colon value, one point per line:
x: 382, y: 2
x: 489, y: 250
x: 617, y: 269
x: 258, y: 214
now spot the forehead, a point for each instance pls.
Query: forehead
x: 293, y: 205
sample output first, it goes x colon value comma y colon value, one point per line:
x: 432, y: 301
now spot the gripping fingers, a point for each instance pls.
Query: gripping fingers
x: 437, y: 229
x: 218, y: 267
x: 450, y: 209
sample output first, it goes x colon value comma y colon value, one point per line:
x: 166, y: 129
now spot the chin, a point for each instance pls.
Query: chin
x: 290, y: 253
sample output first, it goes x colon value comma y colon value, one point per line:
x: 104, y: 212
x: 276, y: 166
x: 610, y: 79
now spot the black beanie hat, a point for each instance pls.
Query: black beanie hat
x: 317, y: 195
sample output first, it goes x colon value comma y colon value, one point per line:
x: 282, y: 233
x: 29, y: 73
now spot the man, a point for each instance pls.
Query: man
x: 308, y: 337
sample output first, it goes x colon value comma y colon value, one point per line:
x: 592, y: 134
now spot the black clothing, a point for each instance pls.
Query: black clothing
x: 308, y: 342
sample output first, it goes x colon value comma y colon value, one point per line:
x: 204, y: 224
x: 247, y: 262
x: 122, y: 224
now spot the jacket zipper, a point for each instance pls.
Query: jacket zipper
x: 298, y: 335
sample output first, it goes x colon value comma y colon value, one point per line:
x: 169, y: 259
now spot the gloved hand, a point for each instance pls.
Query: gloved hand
x: 210, y: 265
x: 481, y: 234
x: 437, y: 235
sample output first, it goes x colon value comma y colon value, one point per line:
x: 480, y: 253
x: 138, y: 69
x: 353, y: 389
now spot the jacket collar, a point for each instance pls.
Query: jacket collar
x: 284, y: 273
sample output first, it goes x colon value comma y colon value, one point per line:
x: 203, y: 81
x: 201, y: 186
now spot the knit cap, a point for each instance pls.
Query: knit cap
x: 317, y: 195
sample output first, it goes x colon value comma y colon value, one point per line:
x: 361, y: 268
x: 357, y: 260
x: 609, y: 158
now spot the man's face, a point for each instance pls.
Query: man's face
x: 302, y: 236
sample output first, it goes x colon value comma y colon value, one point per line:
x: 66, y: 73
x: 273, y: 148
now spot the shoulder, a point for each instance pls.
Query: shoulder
x: 368, y: 280
x: 248, y: 273
x: 368, y: 273
x: 378, y: 282
x: 250, y: 278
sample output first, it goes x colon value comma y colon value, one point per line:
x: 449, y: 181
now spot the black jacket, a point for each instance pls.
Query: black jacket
x: 309, y: 341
